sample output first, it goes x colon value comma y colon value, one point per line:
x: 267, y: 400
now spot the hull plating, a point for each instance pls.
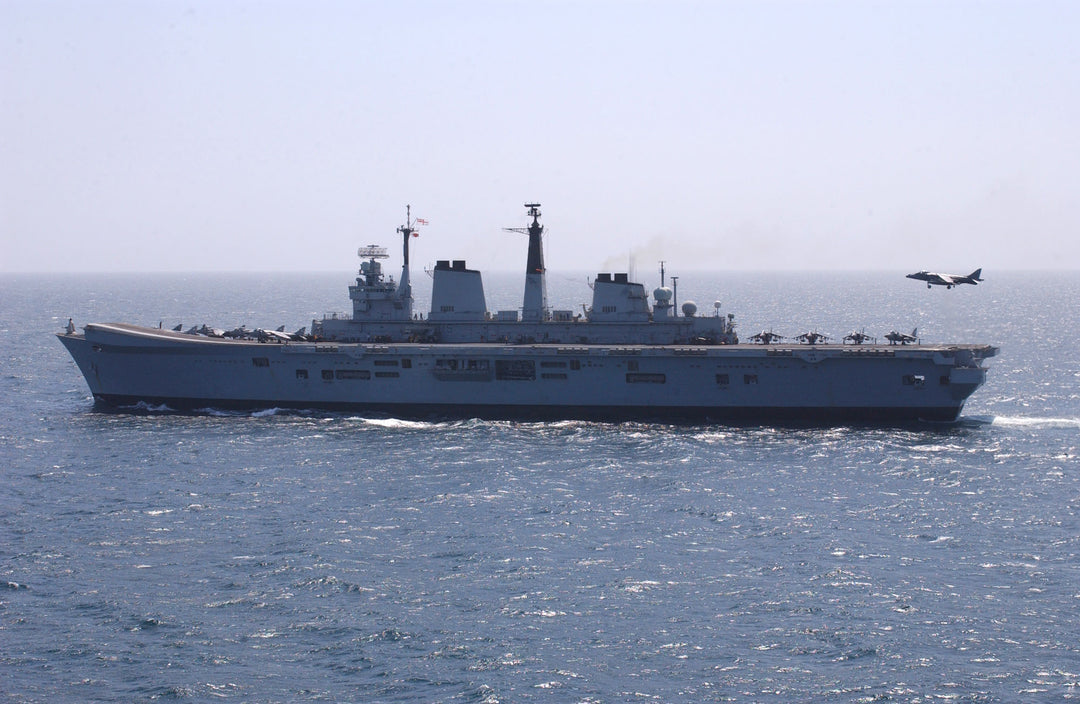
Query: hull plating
x: 125, y: 365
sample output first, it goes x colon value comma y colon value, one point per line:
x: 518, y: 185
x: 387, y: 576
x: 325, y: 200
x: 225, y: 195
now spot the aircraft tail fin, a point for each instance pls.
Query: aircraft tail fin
x: 975, y: 275
x: 915, y: 332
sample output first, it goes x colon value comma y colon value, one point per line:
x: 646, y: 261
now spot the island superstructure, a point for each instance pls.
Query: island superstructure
x: 619, y: 314
x: 619, y: 358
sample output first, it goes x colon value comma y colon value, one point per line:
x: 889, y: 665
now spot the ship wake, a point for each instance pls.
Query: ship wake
x: 1025, y: 421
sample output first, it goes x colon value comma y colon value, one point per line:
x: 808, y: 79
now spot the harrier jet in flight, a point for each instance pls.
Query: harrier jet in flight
x: 946, y: 280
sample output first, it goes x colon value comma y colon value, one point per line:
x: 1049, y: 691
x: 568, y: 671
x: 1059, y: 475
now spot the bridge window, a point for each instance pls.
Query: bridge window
x: 260, y: 361
x: 301, y: 373
x: 749, y: 378
x: 723, y: 379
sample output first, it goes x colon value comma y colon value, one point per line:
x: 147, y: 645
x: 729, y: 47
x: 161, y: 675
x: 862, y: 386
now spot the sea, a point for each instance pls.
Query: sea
x: 276, y: 556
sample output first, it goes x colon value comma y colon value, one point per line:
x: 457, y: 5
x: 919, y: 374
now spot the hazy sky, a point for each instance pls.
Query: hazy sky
x: 280, y: 136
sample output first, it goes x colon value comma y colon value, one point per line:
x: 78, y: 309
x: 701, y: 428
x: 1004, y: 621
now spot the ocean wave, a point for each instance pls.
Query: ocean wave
x: 230, y: 413
x: 266, y: 412
x: 398, y: 423
x: 144, y: 407
x: 271, y: 412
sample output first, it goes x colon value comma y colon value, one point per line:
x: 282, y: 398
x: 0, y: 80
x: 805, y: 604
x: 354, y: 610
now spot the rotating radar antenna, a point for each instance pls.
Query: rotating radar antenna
x: 372, y: 252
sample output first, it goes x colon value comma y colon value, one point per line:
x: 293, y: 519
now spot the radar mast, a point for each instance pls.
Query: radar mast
x: 407, y: 230
x: 534, y: 305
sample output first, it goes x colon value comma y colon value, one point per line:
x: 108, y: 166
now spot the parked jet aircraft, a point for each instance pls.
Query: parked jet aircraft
x: 278, y: 335
x: 900, y: 338
x: 812, y: 338
x: 858, y: 337
x: 946, y: 280
x: 766, y: 337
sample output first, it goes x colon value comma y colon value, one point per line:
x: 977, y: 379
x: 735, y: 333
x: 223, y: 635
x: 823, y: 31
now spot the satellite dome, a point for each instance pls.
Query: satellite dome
x: 662, y: 294
x: 689, y: 309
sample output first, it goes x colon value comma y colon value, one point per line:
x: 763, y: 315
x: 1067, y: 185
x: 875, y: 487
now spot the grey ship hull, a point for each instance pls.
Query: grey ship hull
x: 125, y: 365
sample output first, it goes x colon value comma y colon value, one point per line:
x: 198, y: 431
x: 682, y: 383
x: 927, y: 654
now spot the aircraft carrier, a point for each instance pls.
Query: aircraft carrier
x: 620, y: 358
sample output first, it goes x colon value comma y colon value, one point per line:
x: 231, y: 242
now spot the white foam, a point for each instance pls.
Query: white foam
x: 1034, y: 422
x: 265, y: 412
x: 398, y: 423
x: 152, y: 408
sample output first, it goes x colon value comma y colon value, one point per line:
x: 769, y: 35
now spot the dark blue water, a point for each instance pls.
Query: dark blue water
x: 295, y: 557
